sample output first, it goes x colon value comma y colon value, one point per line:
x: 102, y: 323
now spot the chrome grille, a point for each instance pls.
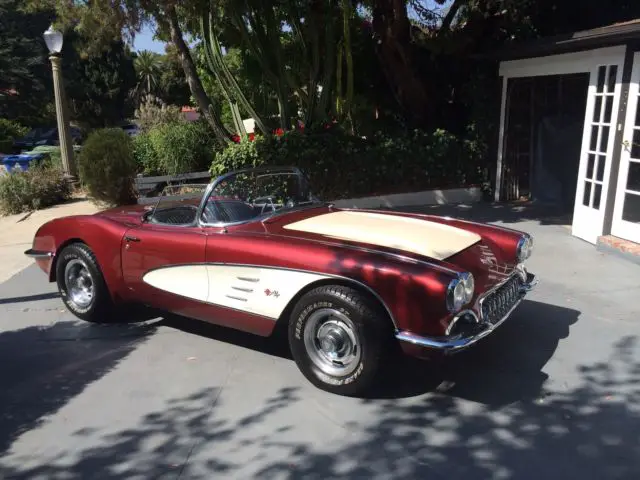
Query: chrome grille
x: 498, y: 303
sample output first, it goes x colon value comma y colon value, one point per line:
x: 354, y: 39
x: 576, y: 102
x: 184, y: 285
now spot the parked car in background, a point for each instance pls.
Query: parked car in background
x: 256, y: 249
x: 44, y: 136
x: 131, y: 129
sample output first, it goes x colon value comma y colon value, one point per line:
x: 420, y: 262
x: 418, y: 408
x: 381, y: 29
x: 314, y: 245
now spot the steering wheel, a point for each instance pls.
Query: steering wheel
x: 265, y: 199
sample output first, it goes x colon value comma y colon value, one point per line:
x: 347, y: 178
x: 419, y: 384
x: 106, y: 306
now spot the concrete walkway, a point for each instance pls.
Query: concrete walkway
x: 17, y: 231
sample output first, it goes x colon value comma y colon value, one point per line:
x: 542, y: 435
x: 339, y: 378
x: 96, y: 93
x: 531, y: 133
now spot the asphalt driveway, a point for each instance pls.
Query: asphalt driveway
x: 554, y: 393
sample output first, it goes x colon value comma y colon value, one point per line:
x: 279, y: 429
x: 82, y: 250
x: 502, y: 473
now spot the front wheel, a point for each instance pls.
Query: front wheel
x: 339, y: 339
x: 82, y: 285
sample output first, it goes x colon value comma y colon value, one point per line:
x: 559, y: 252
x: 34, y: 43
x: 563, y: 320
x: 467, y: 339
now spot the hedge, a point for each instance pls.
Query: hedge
x: 341, y: 166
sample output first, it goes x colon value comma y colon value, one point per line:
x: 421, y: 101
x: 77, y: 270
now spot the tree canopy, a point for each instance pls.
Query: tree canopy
x: 314, y: 61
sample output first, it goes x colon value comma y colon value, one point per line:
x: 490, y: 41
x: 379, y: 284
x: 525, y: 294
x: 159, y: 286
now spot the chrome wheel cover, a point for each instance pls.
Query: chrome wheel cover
x: 331, y: 342
x: 79, y: 283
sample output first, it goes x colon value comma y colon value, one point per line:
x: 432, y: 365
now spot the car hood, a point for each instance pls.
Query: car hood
x: 404, y: 234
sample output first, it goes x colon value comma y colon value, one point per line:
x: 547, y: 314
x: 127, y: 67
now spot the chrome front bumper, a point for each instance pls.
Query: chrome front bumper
x: 449, y: 344
x: 37, y: 254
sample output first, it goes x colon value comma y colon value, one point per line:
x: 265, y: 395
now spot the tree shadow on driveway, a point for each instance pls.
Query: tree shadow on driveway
x: 587, y: 431
x: 43, y: 367
x: 503, y: 368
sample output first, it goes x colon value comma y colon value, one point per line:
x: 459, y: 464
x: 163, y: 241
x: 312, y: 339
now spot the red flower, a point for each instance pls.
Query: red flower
x: 252, y: 137
x: 279, y: 132
x: 235, y: 138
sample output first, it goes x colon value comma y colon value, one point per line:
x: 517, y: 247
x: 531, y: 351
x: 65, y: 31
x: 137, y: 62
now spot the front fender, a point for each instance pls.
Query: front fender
x: 101, y: 235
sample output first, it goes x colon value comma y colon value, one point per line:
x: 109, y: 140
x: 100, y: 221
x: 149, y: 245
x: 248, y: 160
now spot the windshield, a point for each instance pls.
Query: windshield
x: 256, y: 194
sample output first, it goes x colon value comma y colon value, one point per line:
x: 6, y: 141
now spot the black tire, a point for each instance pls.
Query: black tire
x: 99, y: 308
x: 356, y: 314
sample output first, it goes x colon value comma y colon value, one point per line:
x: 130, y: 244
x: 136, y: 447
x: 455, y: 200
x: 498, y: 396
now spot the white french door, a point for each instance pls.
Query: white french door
x: 626, y: 212
x: 597, y: 147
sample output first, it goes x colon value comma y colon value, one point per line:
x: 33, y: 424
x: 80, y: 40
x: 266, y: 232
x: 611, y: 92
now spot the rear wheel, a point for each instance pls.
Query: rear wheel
x: 82, y: 285
x: 339, y: 339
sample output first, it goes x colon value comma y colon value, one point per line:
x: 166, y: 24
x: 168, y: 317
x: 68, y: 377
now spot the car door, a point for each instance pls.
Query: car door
x: 163, y: 266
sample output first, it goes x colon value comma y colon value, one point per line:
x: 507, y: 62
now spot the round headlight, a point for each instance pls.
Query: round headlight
x: 469, y: 286
x: 525, y: 247
x: 460, y: 292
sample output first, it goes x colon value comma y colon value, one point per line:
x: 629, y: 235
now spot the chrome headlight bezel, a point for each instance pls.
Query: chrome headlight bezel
x: 524, y: 248
x: 460, y: 291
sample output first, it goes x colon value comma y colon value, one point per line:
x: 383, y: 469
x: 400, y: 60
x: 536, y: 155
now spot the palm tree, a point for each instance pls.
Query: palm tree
x: 148, y: 66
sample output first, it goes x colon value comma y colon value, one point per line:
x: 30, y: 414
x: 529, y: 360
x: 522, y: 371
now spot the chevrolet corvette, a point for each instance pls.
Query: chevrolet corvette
x: 255, y: 249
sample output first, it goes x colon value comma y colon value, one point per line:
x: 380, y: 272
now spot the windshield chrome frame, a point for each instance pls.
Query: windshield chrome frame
x: 264, y: 169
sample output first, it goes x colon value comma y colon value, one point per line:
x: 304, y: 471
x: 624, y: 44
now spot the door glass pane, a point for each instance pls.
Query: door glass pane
x: 602, y: 159
x: 601, y: 76
x: 611, y: 82
x: 586, y: 199
x: 590, y: 165
x: 597, y: 109
x: 596, y: 195
x: 604, y: 139
x: 635, y: 146
x: 631, y: 209
x: 638, y: 112
x: 633, y: 177
x: 594, y: 137
x: 608, y: 108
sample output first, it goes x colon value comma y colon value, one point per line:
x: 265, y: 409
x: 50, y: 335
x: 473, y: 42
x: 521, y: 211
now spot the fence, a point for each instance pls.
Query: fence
x: 150, y: 187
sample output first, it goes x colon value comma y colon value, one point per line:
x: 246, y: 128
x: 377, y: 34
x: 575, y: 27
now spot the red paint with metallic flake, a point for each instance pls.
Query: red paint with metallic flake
x: 411, y: 287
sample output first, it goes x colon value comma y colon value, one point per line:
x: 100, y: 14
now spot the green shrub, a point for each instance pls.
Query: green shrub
x: 153, y: 112
x: 38, y: 187
x: 106, y: 166
x: 181, y: 147
x: 145, y: 155
x: 10, y: 131
x: 342, y: 166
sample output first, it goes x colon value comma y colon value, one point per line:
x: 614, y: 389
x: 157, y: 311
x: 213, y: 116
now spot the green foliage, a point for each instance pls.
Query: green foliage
x: 98, y: 85
x: 342, y: 165
x: 153, y: 112
x: 106, y: 166
x: 173, y: 148
x: 10, y: 131
x: 145, y: 156
x: 25, y: 70
x: 40, y: 186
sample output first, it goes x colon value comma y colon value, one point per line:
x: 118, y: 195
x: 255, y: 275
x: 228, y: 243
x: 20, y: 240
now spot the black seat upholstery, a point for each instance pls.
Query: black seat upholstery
x: 227, y: 211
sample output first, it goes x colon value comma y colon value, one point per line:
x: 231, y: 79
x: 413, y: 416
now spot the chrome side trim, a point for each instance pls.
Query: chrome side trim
x: 38, y: 254
x: 450, y: 345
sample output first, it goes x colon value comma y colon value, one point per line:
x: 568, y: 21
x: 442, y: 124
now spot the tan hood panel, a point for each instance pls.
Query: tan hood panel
x: 418, y: 236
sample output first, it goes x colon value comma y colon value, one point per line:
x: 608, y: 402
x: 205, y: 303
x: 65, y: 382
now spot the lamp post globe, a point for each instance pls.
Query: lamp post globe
x: 54, y: 38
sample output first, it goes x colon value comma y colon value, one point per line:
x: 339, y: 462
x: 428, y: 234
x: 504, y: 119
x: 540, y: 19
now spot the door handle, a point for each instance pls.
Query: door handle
x: 129, y: 238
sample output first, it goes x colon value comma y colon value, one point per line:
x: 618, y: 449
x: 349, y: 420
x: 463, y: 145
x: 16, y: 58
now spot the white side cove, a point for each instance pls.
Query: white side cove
x: 261, y: 291
x: 416, y: 235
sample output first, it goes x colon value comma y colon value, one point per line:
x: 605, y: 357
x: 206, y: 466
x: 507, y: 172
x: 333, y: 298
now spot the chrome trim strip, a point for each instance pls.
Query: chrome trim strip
x: 236, y: 298
x: 241, y: 289
x: 38, y: 254
x: 450, y: 345
x: 244, y: 279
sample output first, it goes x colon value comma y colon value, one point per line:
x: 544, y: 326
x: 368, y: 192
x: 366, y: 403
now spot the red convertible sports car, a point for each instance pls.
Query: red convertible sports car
x: 255, y: 249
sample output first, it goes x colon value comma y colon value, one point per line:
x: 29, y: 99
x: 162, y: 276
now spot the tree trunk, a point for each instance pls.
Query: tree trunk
x: 392, y: 29
x: 191, y: 74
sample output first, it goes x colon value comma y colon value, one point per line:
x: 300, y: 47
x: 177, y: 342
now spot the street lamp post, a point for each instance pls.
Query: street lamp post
x: 53, y: 39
